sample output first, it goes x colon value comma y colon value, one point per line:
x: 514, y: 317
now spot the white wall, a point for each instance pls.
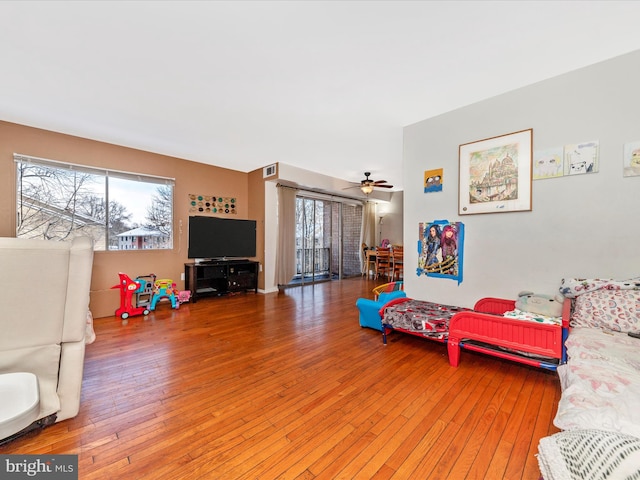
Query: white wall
x: 580, y: 226
x: 391, y: 213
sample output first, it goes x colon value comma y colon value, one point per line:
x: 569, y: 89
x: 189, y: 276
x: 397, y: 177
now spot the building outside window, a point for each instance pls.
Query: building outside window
x: 141, y: 239
x: 119, y: 210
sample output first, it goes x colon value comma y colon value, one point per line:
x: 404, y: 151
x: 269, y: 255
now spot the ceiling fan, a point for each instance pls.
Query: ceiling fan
x: 367, y: 185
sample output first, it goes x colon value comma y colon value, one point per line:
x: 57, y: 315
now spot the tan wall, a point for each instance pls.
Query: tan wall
x: 191, y: 178
x: 256, y: 212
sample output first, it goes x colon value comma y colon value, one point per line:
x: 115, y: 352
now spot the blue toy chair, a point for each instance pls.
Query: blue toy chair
x: 369, y: 309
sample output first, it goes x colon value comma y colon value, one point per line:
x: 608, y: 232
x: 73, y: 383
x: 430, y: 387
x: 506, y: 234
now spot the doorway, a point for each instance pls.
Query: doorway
x: 327, y: 240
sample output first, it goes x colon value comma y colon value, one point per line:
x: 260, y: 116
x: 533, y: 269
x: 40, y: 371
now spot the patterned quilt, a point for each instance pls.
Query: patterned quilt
x: 573, y: 287
x: 589, y: 454
x: 601, y: 382
x: 533, y: 317
x: 425, y: 318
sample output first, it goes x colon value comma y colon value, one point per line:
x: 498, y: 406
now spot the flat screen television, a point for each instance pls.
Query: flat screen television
x: 221, y: 238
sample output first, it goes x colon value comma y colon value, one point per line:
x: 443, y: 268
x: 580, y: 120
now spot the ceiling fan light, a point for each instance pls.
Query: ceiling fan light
x: 366, y: 189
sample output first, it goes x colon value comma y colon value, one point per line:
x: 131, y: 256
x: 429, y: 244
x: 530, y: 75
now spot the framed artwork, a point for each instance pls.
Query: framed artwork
x: 548, y: 163
x: 581, y: 158
x: 433, y: 180
x: 631, y: 159
x: 440, y: 249
x: 495, y: 174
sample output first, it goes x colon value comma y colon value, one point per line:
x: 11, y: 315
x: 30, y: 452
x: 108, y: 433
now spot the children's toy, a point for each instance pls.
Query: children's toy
x: 128, y: 288
x: 184, y: 296
x: 164, y: 288
x: 387, y: 287
x: 548, y: 305
x: 143, y: 297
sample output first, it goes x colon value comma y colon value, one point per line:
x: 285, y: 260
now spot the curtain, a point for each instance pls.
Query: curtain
x: 368, y: 230
x: 286, y: 251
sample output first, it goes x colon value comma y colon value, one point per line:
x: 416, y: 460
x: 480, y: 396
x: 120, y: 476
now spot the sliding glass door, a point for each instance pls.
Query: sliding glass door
x: 313, y: 240
x: 327, y: 240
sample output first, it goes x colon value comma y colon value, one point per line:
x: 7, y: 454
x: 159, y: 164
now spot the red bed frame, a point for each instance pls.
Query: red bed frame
x: 486, y: 330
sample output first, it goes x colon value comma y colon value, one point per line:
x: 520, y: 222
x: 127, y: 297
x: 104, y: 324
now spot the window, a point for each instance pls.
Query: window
x: 119, y: 210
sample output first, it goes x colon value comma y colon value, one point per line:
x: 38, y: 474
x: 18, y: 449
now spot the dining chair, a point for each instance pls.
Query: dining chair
x: 368, y: 260
x: 397, y: 264
x: 383, y: 262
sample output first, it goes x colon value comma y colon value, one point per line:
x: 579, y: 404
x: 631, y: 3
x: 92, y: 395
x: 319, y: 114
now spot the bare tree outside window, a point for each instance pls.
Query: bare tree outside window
x: 160, y: 212
x: 59, y: 201
x: 56, y: 204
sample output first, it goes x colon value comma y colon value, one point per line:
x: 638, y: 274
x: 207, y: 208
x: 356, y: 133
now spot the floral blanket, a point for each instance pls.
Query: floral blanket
x: 604, y: 303
x: 600, y: 383
x: 533, y: 317
x: 572, y: 287
x: 428, y: 319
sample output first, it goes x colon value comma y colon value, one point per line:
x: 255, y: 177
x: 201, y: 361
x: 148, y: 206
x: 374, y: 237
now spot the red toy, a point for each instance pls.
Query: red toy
x: 129, y: 288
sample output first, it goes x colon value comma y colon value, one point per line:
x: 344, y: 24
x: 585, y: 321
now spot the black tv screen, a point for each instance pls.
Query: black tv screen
x: 215, y: 238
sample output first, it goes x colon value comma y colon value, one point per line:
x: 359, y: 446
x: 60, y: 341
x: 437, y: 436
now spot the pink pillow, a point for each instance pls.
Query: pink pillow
x: 617, y: 310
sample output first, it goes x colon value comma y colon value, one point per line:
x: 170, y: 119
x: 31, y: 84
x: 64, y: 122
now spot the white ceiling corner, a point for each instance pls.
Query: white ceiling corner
x: 322, y: 85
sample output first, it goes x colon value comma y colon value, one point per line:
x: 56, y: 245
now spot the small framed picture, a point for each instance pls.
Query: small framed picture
x: 581, y: 158
x: 631, y: 159
x: 433, y: 180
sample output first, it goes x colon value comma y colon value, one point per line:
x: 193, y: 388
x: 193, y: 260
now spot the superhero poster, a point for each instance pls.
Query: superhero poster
x: 440, y: 249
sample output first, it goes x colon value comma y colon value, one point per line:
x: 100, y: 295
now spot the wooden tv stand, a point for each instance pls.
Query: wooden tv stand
x: 220, y: 277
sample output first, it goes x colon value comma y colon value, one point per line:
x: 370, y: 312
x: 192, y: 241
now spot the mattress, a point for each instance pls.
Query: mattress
x: 428, y: 319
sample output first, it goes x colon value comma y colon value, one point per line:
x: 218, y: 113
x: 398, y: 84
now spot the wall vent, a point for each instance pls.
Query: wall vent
x: 269, y: 171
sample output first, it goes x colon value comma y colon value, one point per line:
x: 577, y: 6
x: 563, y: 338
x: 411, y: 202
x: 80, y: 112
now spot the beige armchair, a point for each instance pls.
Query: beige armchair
x: 44, y: 297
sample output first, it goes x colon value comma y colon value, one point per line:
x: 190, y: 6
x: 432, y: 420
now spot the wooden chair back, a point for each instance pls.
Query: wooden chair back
x: 398, y: 264
x: 383, y: 262
x: 368, y: 261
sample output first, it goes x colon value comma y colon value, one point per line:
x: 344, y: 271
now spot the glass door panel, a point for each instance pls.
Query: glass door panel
x: 325, y: 250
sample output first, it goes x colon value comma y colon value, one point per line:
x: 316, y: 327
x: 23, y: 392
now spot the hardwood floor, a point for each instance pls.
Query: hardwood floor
x: 289, y: 386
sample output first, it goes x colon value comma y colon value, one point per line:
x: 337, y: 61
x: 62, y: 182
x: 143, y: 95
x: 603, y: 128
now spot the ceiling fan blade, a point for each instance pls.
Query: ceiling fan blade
x: 368, y: 182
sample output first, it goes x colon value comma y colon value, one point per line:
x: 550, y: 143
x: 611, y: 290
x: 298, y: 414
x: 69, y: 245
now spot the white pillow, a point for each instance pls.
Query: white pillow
x: 589, y: 455
x: 617, y: 310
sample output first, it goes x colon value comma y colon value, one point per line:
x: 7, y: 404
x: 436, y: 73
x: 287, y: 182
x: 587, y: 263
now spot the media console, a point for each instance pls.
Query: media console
x: 220, y: 277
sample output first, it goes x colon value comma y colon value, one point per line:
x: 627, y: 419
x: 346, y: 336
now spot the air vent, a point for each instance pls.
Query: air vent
x: 269, y: 171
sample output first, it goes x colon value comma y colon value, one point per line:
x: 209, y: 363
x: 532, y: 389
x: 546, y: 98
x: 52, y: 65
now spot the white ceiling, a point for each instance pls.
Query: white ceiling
x: 326, y: 86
